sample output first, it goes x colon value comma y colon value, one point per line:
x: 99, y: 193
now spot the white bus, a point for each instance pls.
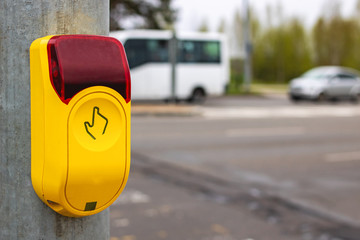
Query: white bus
x: 202, y: 67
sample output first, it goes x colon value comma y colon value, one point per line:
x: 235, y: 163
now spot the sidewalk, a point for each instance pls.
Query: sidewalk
x: 162, y: 109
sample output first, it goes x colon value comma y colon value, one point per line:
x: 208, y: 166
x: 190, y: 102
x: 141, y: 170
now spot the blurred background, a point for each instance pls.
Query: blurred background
x: 230, y: 139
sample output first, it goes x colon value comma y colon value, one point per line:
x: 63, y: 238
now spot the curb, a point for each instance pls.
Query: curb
x: 165, y: 110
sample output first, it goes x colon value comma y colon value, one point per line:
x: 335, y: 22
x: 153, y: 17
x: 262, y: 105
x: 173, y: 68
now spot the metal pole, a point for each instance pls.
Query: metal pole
x: 173, y: 61
x: 23, y: 215
x: 248, y: 49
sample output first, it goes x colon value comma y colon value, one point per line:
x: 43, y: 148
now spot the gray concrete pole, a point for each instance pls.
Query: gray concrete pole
x: 22, y: 213
x: 248, y: 49
x: 173, y: 60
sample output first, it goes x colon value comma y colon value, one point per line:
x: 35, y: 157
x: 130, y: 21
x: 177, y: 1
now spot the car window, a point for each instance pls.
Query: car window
x: 346, y: 77
x: 313, y: 74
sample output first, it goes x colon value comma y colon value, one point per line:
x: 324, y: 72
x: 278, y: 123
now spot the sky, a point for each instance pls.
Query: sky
x: 193, y: 12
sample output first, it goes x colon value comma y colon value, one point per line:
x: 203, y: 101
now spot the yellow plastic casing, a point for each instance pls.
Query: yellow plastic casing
x: 80, y: 151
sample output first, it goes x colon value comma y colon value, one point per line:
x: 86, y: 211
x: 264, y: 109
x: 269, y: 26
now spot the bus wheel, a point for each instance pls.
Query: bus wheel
x: 198, y: 96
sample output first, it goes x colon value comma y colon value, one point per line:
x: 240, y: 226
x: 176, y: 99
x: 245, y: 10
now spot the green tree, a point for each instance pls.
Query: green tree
x: 336, y: 40
x: 203, y: 26
x: 237, y: 45
x: 222, y: 26
x: 158, y: 14
x: 321, y: 50
x: 297, y: 51
x: 282, y: 52
x: 238, y: 29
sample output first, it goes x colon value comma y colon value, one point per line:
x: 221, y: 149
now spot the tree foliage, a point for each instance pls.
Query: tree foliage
x: 203, y: 26
x: 156, y: 14
x: 336, y: 42
x: 281, y: 52
x: 222, y: 26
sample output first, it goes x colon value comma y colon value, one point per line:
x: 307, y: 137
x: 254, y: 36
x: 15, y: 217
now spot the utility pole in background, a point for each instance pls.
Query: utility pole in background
x: 23, y: 214
x: 248, y: 48
x: 173, y: 61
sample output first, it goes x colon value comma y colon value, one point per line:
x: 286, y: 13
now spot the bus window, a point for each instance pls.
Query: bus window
x: 199, y: 51
x: 136, y: 52
x: 142, y: 51
x: 211, y: 51
x: 158, y: 50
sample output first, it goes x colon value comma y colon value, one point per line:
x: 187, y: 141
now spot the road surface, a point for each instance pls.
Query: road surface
x: 306, y: 156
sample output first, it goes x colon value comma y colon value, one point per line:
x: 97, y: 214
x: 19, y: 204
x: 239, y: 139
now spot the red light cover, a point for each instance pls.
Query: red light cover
x: 77, y: 62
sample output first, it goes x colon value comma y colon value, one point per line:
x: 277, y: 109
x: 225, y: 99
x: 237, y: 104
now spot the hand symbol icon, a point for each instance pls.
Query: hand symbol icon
x: 98, y: 124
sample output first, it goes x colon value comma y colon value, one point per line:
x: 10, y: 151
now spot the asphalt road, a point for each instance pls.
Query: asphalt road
x: 307, y: 155
x: 152, y: 209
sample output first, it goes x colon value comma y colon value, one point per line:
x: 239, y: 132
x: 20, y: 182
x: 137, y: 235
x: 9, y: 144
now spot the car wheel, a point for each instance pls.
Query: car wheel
x: 295, y: 99
x: 321, y: 98
x: 355, y: 99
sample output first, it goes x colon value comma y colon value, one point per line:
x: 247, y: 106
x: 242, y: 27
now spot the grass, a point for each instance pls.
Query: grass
x: 258, y: 89
x: 263, y: 88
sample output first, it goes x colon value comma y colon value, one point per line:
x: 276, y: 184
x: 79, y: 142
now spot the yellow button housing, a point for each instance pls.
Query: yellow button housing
x: 81, y: 149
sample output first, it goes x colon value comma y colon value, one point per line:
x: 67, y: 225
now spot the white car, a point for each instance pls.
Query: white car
x: 326, y: 83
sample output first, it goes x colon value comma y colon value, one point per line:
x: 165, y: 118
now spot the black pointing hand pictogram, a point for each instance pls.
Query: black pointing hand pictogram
x: 98, y: 124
